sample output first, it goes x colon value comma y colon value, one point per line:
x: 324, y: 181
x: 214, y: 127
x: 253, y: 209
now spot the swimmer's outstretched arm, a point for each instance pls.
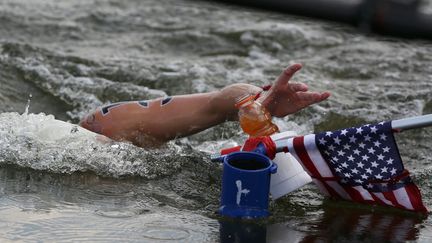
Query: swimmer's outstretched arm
x: 148, y: 122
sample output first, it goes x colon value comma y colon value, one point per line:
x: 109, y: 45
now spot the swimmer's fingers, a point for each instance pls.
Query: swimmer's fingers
x: 297, y: 87
x: 287, y: 74
x: 309, y: 98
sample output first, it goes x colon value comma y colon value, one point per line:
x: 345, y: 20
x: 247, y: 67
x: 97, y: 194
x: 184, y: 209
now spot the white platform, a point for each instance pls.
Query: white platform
x: 290, y: 175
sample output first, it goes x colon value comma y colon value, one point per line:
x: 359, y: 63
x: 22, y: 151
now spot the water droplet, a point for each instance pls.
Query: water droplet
x: 28, y: 105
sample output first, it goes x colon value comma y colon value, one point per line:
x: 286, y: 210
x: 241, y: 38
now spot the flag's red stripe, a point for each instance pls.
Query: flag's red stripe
x: 378, y: 201
x: 298, y: 143
x: 415, y: 197
x: 392, y: 198
x: 333, y: 193
x: 321, y: 187
x: 354, y: 194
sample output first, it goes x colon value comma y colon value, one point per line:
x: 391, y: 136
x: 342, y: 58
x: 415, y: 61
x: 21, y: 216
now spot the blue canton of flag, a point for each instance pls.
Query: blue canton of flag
x: 362, y: 154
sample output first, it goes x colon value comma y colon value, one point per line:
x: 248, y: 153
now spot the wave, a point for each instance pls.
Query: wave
x: 41, y: 142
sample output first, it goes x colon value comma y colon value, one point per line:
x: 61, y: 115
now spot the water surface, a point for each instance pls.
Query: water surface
x: 72, y: 56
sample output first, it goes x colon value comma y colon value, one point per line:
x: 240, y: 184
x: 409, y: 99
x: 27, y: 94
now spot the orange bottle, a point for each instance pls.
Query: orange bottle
x: 254, y: 119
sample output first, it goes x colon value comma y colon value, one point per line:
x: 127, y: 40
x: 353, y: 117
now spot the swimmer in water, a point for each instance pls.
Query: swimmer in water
x: 154, y: 122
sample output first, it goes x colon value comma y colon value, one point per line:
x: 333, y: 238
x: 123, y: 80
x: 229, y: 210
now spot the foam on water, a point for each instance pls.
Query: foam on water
x: 40, y: 142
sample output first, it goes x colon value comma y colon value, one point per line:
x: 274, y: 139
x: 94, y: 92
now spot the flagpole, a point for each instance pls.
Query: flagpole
x: 412, y: 122
x: 401, y: 124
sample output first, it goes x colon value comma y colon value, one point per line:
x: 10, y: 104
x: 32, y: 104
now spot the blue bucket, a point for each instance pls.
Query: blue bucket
x: 245, y: 185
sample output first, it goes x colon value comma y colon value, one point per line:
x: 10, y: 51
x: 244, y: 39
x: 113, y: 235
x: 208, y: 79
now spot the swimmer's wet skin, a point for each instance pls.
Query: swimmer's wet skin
x: 160, y: 120
x: 163, y: 119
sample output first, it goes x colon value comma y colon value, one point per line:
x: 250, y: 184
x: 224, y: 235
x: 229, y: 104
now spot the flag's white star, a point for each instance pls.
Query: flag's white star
x: 350, y: 158
x: 384, y: 169
x: 347, y: 146
x: 393, y: 171
x: 380, y: 157
x: 365, y: 157
x: 373, y: 129
x: 369, y: 185
x: 379, y: 176
x: 329, y: 134
x: 374, y: 164
x: 335, y: 159
x: 381, y: 123
x: 368, y: 170
x: 371, y: 150
x: 331, y: 147
x: 337, y: 140
x: 360, y: 164
x: 383, y: 137
x: 322, y: 141
x: 377, y: 143
x: 362, y: 145
x: 386, y: 149
x: 364, y: 176
x: 390, y: 161
x: 356, y: 151
x: 344, y: 164
x: 358, y: 181
x: 341, y: 153
x: 343, y: 132
x: 352, y: 139
x: 354, y: 171
x: 367, y: 138
x: 359, y: 130
x: 348, y: 175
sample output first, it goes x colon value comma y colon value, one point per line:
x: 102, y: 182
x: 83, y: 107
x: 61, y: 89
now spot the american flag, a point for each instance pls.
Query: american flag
x: 360, y: 164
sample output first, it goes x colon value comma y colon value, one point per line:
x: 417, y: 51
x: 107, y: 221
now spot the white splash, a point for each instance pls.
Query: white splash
x: 240, y: 191
x: 41, y: 142
x: 28, y: 105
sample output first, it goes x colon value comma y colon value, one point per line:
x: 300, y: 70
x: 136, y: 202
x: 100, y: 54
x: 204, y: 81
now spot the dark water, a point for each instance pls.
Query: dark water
x: 72, y: 56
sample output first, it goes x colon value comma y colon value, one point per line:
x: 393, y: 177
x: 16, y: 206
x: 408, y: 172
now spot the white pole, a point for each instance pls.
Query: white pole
x: 401, y: 124
x: 412, y: 122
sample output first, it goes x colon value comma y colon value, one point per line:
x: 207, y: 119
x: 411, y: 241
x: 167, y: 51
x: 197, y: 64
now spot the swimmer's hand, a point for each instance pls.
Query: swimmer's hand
x: 285, y: 97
